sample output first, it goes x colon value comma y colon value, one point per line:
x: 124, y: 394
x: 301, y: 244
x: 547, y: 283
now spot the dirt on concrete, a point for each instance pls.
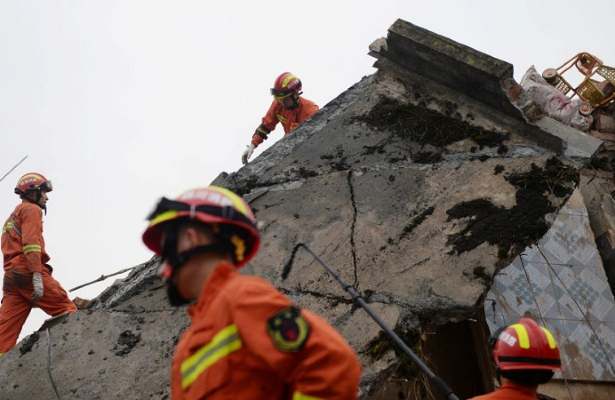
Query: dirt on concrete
x: 27, y: 343
x: 126, y: 342
x: 492, y: 224
x: 425, y: 126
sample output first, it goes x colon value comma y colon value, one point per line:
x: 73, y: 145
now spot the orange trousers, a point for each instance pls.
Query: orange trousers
x: 17, y: 303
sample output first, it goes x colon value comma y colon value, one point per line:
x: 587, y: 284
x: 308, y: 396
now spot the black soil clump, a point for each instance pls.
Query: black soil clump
x: 306, y: 173
x: 498, y: 169
x: 126, y: 342
x: 427, y: 157
x: 502, y: 149
x: 517, y: 227
x: 425, y: 126
x: 340, y: 165
x: 368, y: 150
x: 603, y: 163
x: 481, y: 158
x: 27, y: 343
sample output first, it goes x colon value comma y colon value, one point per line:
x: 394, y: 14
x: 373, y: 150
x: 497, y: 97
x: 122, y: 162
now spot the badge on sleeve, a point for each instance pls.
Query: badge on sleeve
x: 288, y: 329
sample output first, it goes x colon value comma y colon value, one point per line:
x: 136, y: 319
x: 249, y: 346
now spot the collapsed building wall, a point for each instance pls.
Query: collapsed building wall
x: 418, y: 183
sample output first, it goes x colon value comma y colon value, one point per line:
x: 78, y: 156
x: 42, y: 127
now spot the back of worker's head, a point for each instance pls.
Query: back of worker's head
x: 525, y: 353
x: 220, y: 216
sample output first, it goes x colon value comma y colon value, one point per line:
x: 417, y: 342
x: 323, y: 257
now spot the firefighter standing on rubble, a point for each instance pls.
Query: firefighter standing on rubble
x: 27, y: 275
x: 246, y: 339
x: 288, y: 108
x: 526, y: 355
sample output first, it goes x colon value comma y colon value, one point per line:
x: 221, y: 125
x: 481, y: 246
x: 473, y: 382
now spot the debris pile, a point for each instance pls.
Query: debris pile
x: 420, y: 184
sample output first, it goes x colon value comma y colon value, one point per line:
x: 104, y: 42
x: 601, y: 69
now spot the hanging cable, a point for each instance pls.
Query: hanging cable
x: 440, y: 385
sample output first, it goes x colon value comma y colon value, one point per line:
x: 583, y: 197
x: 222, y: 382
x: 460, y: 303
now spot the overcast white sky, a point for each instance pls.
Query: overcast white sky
x: 120, y: 102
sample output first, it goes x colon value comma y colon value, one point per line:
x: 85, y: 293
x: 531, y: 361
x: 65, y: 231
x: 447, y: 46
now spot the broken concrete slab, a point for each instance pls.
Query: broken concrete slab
x: 484, y: 78
x: 577, y: 144
x: 447, y: 62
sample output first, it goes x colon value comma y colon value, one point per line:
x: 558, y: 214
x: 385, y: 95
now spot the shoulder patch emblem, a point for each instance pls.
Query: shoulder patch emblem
x: 288, y: 329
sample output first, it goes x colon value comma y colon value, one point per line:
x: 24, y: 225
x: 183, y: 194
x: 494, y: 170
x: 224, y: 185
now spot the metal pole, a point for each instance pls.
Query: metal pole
x: 101, y: 278
x: 438, y: 382
x: 12, y: 169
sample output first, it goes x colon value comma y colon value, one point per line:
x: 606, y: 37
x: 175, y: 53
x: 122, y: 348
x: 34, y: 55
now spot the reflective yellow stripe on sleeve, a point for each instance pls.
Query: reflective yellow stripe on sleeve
x: 224, y: 343
x: 301, y: 396
x: 31, y: 248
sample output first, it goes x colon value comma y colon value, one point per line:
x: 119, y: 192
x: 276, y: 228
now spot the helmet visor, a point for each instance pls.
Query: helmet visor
x: 46, y: 186
x: 280, y: 93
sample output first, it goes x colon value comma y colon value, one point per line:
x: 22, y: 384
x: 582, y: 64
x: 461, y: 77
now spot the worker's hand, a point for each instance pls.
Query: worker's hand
x: 247, y: 153
x: 37, y: 283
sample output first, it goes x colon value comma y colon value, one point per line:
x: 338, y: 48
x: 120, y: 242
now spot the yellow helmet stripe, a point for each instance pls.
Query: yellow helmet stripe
x: 163, y: 217
x: 238, y: 203
x: 522, y: 335
x: 287, y: 79
x: 550, y: 338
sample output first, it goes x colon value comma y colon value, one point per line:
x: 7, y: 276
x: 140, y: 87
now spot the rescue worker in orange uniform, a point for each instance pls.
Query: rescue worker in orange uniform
x: 246, y: 339
x: 288, y: 108
x: 526, y: 355
x: 27, y: 275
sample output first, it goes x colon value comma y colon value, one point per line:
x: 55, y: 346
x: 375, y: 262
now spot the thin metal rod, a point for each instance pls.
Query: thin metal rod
x: 13, y: 169
x: 357, y: 298
x: 101, y: 278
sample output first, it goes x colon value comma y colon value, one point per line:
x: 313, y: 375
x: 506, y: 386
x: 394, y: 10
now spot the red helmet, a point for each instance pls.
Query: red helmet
x: 526, y: 345
x: 285, y: 85
x: 33, y: 181
x: 211, y: 205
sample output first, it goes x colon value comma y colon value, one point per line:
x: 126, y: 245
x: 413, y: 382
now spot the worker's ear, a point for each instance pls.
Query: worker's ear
x: 191, y: 236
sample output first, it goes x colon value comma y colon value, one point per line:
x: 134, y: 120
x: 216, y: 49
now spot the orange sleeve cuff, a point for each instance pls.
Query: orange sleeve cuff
x: 256, y: 139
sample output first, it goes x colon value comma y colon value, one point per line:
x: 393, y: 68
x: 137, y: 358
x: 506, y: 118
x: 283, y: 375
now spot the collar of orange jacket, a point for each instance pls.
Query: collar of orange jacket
x: 530, y: 392
x: 214, y: 283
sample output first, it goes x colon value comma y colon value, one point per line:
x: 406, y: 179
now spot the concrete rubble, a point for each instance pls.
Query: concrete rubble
x: 420, y: 183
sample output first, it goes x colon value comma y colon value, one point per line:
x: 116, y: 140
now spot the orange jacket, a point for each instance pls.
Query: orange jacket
x: 246, y: 342
x: 510, y: 391
x: 23, y: 245
x: 290, y: 119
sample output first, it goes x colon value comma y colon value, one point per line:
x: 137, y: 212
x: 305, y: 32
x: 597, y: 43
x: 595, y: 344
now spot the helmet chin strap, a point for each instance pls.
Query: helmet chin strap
x: 36, y: 200
x: 178, y: 259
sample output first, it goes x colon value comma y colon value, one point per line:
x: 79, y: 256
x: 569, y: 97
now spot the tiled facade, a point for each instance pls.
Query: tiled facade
x: 561, y: 283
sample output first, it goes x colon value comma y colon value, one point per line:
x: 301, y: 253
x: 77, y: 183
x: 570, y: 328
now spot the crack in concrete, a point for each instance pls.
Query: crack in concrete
x: 352, y: 229
x: 329, y: 297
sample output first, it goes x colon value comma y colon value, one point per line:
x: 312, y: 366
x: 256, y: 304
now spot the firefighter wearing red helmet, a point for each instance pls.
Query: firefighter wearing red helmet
x: 27, y: 275
x: 288, y: 108
x: 526, y: 355
x: 246, y: 339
